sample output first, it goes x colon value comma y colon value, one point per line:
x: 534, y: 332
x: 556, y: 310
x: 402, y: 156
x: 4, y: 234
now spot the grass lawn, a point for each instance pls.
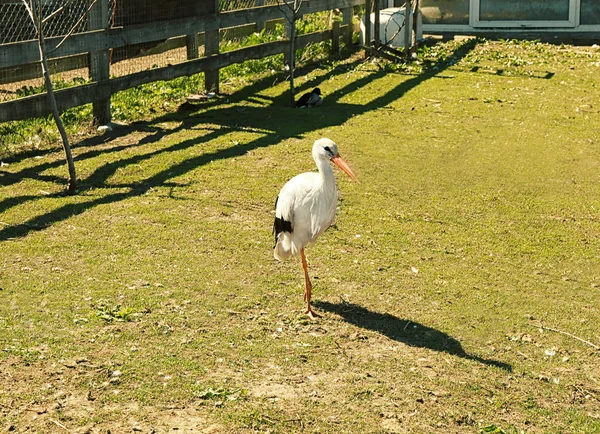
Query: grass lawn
x: 150, y: 302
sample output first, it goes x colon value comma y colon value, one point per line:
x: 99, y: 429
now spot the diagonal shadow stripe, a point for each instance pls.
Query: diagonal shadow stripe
x: 272, y: 118
x: 406, y: 331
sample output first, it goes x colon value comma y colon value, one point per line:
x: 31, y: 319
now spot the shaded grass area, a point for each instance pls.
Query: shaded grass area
x: 38, y: 135
x: 151, y: 299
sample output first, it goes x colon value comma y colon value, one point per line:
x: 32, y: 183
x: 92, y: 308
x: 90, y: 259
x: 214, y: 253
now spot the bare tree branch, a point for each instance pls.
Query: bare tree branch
x: 291, y: 15
x: 29, y: 11
x: 35, y: 13
x: 543, y: 327
x: 74, y: 27
x: 294, y: 7
x: 57, y: 11
x: 286, y: 3
x: 297, y: 6
x: 53, y: 14
x: 290, y: 18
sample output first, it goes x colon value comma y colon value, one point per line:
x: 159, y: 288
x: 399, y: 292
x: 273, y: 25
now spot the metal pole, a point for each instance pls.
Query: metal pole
x: 377, y: 26
x: 368, y: 7
x: 407, y: 27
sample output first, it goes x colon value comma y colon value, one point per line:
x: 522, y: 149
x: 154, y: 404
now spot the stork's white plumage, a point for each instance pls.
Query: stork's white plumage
x: 305, y: 208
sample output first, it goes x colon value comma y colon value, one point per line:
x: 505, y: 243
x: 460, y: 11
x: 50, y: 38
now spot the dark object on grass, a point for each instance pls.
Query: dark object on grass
x: 310, y: 99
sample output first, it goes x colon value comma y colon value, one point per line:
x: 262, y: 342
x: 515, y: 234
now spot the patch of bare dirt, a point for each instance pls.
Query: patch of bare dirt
x: 274, y: 391
x: 48, y: 398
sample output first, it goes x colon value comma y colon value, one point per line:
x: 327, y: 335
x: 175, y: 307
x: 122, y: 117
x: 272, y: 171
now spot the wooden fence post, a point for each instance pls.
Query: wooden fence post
x: 335, y: 37
x: 100, y: 64
x: 287, y: 32
x: 260, y: 23
x: 377, y: 26
x: 368, y: 6
x: 191, y: 45
x: 347, y: 14
x: 211, y: 47
x: 408, y: 28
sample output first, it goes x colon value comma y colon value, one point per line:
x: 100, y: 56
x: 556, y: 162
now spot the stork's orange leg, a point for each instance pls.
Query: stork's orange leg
x: 308, y: 287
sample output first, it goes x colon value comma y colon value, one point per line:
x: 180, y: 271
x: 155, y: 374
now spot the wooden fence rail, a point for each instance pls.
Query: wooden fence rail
x: 17, y: 55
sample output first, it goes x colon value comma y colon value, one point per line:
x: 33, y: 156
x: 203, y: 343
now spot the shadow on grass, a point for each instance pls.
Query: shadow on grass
x: 276, y: 121
x: 406, y: 331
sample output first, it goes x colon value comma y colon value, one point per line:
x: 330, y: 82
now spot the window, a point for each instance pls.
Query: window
x: 445, y: 11
x: 523, y: 13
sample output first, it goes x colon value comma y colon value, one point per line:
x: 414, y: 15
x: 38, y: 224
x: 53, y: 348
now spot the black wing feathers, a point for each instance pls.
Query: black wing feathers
x: 303, y: 101
x: 280, y: 225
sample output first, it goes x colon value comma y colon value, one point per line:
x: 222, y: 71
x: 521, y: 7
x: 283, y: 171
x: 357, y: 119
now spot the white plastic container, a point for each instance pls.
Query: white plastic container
x: 391, y: 27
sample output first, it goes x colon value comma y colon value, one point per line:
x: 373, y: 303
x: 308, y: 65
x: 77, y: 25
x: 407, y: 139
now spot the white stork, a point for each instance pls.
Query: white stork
x: 305, y: 208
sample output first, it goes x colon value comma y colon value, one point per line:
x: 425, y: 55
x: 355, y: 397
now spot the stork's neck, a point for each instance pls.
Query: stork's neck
x: 325, y: 170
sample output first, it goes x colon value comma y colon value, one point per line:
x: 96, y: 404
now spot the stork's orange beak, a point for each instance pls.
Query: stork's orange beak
x: 341, y: 163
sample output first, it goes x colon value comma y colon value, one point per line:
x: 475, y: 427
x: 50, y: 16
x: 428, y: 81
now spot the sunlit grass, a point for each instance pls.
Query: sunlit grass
x: 152, y: 297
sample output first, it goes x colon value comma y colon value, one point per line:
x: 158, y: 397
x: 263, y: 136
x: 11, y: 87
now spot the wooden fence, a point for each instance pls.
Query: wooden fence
x: 98, y: 43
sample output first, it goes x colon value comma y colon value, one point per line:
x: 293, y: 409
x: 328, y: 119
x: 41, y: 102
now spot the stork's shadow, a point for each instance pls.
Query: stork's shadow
x: 406, y: 331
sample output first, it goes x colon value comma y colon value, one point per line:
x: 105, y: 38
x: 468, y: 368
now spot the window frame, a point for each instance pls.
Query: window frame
x: 571, y: 22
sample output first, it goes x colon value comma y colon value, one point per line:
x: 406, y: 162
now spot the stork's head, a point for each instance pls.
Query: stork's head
x: 326, y: 149
x: 316, y: 90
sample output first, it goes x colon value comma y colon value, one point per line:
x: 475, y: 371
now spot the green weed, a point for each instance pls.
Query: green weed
x: 115, y: 313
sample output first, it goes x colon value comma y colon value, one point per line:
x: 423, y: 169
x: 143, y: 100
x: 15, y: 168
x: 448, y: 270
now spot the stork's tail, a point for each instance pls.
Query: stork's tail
x: 282, y: 229
x: 284, y: 247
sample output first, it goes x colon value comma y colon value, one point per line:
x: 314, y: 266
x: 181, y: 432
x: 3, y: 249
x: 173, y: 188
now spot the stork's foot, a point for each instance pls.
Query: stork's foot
x: 311, y: 314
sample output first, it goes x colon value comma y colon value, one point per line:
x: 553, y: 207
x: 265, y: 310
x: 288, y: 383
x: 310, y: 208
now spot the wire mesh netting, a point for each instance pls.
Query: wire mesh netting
x: 65, y: 18
x: 61, y: 19
x: 158, y: 53
x: 139, y: 57
x: 232, y: 5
